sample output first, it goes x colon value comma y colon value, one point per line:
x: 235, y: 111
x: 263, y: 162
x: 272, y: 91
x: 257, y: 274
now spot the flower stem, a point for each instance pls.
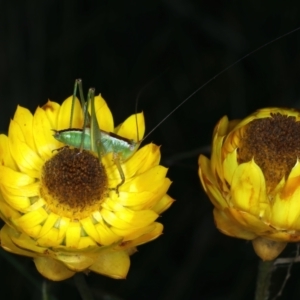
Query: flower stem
x: 82, y: 287
x: 265, y: 269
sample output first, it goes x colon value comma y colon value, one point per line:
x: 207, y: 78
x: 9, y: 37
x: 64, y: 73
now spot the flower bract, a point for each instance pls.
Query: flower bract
x: 253, y: 179
x: 60, y: 204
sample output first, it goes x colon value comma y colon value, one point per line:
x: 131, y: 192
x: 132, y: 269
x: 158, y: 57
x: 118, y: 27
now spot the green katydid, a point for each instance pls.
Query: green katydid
x: 92, y: 138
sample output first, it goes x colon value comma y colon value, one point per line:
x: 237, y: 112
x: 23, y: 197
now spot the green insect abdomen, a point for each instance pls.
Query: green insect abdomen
x: 73, y: 137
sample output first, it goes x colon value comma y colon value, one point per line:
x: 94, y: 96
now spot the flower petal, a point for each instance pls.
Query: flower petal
x: 227, y: 225
x: 43, y: 136
x: 133, y: 128
x: 285, y: 207
x: 51, y: 109
x: 104, y: 115
x: 65, y: 112
x: 163, y: 204
x: 26, y: 158
x: 6, y: 158
x: 114, y: 264
x: 209, y: 183
x: 248, y: 189
x: 52, y: 269
x: 24, y: 119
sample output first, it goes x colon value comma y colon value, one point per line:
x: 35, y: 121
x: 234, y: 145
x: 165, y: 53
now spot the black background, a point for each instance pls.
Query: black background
x: 174, y: 46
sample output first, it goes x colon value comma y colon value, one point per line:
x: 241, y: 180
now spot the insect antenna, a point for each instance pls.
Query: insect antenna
x: 149, y: 83
x: 216, y: 76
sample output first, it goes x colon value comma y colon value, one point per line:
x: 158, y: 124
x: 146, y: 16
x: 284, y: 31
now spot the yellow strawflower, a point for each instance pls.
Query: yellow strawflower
x: 253, y: 179
x: 59, y: 204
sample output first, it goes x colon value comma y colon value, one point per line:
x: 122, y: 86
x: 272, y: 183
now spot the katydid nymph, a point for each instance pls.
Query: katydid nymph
x: 92, y: 138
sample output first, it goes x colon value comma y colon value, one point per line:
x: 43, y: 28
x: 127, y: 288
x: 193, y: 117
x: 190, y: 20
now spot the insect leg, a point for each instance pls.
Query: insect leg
x: 117, y: 162
x: 78, y: 83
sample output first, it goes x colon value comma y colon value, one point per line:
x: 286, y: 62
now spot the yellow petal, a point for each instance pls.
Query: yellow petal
x: 85, y: 242
x: 33, y: 232
x: 161, y: 190
x: 249, y: 189
x: 251, y: 222
x: 25, y: 242
x: 52, y: 269
x: 127, y: 219
x: 89, y: 228
x: 43, y: 134
x: 144, y: 159
x: 11, y: 178
x: 49, y: 224
x: 149, y: 236
x: 77, y: 261
x: 24, y: 118
x: 106, y: 235
x: 26, y: 158
x: 7, y: 244
x: 285, y: 208
x: 227, y: 225
x: 219, y: 133
x: 51, y: 109
x: 32, y: 218
x: 149, y: 157
x: 230, y: 165
x: 209, y: 183
x: 73, y: 235
x: 6, y: 158
x: 132, y: 199
x: 130, y: 235
x: 133, y: 128
x: 163, y: 204
x: 114, y: 264
x: 104, y: 115
x: 146, y: 180
x: 284, y: 236
x: 17, y: 202
x: 64, y: 115
x: 7, y: 212
x: 50, y: 239
x: 62, y: 225
x: 30, y: 190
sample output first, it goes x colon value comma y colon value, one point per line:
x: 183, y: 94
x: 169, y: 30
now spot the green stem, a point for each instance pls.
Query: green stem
x: 82, y: 287
x: 263, y: 282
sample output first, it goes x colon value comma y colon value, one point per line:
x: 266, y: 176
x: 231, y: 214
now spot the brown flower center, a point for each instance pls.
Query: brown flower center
x: 275, y: 145
x: 73, y: 183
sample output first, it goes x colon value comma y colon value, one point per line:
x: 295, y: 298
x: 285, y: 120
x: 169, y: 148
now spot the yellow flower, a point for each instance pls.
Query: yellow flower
x: 253, y: 179
x: 60, y: 206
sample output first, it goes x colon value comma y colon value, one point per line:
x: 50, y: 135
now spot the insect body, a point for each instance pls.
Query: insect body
x: 108, y: 141
x: 92, y: 138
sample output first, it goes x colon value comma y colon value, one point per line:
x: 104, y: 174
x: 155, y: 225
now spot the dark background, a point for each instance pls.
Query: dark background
x: 176, y: 46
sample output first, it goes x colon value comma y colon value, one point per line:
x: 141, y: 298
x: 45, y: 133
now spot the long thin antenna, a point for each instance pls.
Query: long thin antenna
x: 138, y: 97
x: 217, y: 75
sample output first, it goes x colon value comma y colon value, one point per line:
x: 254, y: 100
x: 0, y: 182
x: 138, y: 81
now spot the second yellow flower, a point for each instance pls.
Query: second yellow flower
x: 253, y: 179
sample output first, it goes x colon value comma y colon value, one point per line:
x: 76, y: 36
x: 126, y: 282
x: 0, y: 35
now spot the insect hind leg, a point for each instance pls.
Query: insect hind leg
x: 117, y: 162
